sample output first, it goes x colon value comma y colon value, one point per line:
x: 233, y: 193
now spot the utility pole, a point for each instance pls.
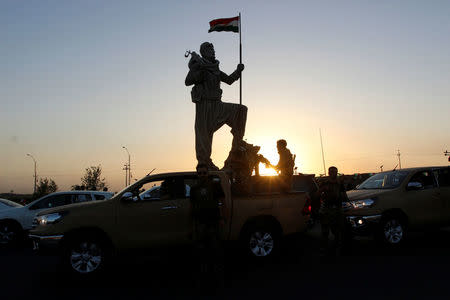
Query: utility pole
x: 399, y: 161
x: 323, y: 157
x: 446, y: 153
x: 129, y: 166
x: 35, y: 174
x: 381, y: 168
x: 125, y: 167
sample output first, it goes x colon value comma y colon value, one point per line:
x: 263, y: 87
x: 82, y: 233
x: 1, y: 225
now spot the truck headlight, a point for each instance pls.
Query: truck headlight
x: 362, y: 203
x: 49, y: 219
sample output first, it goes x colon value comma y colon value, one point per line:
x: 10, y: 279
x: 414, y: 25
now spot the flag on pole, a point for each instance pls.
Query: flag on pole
x: 227, y: 24
x: 233, y: 25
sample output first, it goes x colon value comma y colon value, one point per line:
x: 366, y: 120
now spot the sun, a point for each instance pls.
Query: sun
x: 270, y: 152
x: 263, y: 171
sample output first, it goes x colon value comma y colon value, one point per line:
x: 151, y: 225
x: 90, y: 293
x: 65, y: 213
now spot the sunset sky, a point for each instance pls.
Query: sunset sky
x: 81, y: 79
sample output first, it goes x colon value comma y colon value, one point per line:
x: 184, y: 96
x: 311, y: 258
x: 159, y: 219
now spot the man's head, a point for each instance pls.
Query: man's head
x: 207, y: 51
x: 332, y: 172
x: 202, y: 171
x: 281, y: 144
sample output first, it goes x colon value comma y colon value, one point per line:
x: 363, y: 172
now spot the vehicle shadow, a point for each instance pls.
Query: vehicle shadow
x: 173, y: 272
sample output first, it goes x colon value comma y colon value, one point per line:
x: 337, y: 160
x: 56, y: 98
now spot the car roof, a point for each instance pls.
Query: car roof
x: 3, y: 200
x: 71, y: 192
x: 80, y: 192
x: 417, y: 169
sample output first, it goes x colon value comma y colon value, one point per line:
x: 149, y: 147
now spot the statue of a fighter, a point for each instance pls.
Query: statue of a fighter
x: 210, y: 112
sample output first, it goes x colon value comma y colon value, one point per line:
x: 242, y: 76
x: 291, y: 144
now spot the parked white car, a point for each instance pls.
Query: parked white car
x: 16, y: 221
x: 7, y: 204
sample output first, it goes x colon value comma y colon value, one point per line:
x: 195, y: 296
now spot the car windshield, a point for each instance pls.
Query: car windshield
x: 10, y: 203
x: 385, y: 180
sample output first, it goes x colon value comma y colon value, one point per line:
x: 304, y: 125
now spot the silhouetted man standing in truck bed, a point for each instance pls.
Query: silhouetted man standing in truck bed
x: 285, y: 166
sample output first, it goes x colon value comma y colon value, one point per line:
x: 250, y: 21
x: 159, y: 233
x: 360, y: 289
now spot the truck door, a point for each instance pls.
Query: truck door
x: 155, y: 221
x: 443, y: 175
x: 423, y: 202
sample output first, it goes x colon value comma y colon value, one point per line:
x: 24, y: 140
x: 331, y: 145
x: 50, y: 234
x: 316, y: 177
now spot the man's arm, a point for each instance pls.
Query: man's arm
x: 322, y: 188
x: 344, y: 194
x: 282, y: 161
x: 229, y: 79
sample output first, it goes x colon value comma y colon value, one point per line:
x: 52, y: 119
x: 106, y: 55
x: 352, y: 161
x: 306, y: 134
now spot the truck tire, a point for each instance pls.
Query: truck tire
x: 10, y: 233
x: 261, y: 241
x: 86, y: 255
x: 392, y: 230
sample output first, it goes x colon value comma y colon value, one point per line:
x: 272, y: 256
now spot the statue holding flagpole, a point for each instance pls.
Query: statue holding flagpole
x: 210, y: 112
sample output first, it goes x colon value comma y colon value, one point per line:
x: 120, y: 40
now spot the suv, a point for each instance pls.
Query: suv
x: 15, y: 221
x: 90, y: 233
x: 389, y: 204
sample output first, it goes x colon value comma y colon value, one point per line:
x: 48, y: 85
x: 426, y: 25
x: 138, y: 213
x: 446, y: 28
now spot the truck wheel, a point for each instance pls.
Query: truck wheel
x: 10, y: 233
x: 261, y: 242
x: 392, y: 230
x: 86, y: 255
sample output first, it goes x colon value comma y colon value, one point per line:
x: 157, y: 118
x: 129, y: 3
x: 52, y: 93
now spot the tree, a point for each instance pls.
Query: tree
x: 92, y: 179
x: 78, y: 187
x: 44, y: 187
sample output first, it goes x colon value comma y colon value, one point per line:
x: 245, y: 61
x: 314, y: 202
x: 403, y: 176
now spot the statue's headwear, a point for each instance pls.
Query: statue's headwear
x: 203, y: 47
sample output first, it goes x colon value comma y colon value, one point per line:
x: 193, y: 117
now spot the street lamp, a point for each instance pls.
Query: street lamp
x: 129, y: 166
x: 35, y: 175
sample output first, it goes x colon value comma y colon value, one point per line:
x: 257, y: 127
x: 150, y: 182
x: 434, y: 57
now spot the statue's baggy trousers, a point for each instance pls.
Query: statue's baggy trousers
x: 210, y: 116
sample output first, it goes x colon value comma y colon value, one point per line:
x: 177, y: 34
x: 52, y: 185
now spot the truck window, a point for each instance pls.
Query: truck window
x: 150, y: 191
x: 426, y: 178
x: 167, y: 189
x: 444, y: 177
x: 304, y: 184
x: 172, y: 188
x: 191, y: 181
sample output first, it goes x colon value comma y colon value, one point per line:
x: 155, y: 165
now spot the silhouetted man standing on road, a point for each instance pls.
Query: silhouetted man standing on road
x: 207, y: 221
x: 210, y: 112
x: 332, y: 194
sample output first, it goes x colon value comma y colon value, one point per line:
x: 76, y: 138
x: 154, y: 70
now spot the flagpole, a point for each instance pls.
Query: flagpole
x: 240, y: 60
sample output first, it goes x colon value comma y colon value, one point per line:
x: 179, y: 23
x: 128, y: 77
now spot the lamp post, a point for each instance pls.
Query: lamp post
x: 129, y: 166
x: 35, y: 175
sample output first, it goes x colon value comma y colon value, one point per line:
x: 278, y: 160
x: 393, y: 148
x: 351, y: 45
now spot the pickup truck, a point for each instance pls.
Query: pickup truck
x: 91, y: 233
x: 389, y: 204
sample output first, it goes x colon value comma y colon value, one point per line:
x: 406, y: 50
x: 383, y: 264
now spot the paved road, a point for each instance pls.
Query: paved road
x: 420, y: 269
